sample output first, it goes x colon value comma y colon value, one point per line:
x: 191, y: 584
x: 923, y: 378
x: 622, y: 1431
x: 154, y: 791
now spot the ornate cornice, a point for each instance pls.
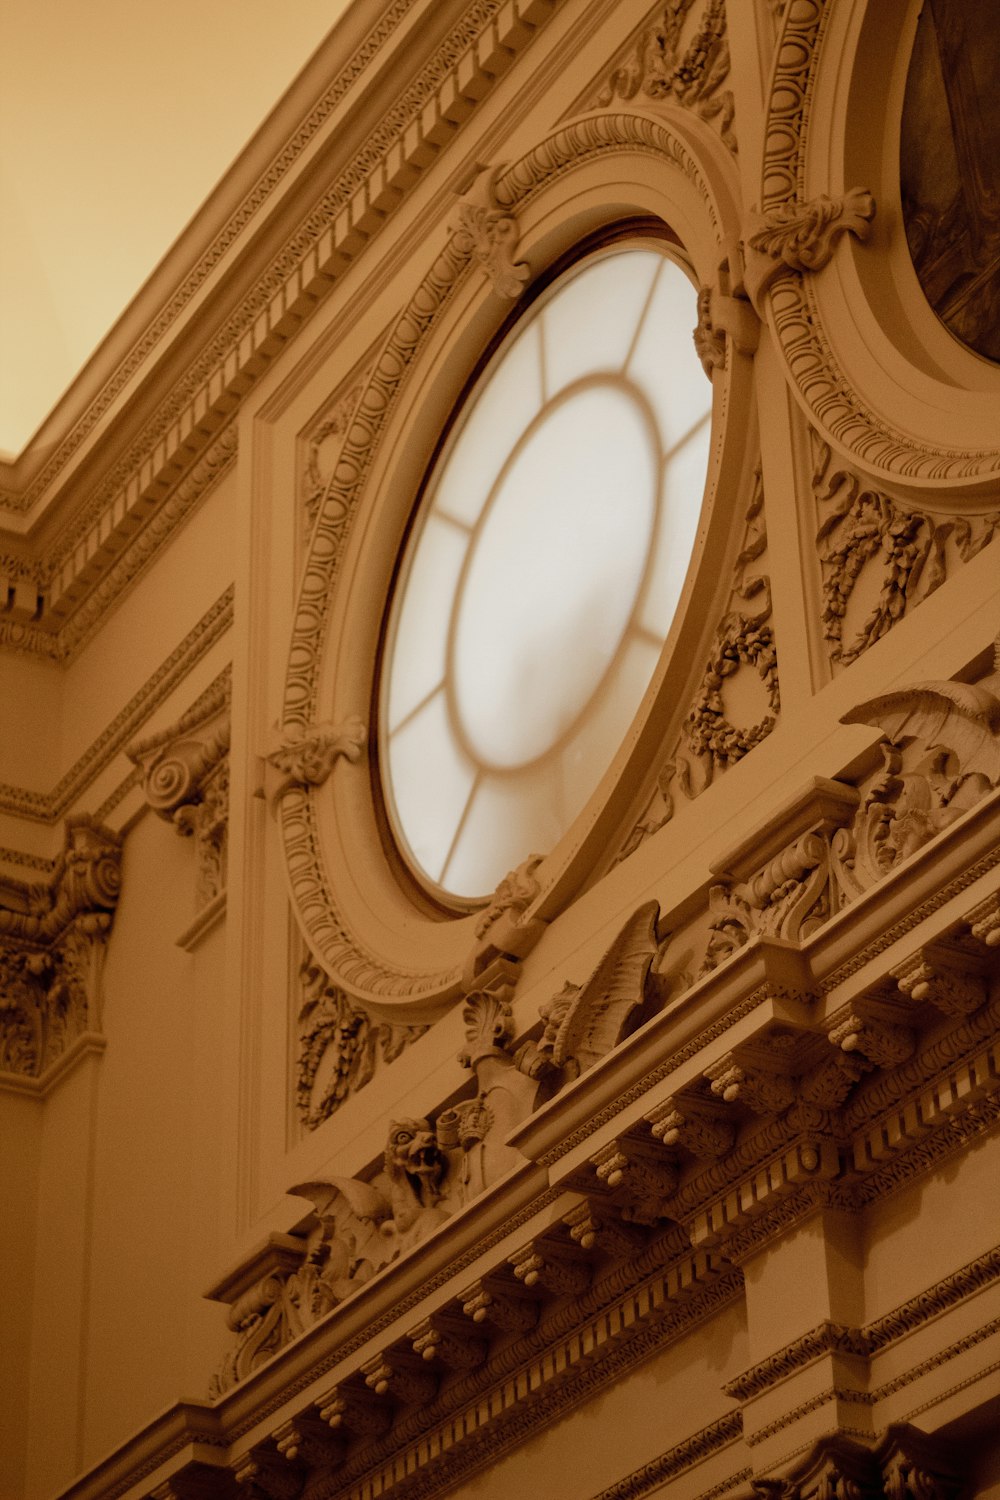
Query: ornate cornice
x: 422, y: 120
x: 693, y: 1450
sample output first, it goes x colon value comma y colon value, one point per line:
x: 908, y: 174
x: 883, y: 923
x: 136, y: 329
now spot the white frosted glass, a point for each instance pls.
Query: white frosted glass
x: 590, y: 752
x: 510, y: 817
x: 555, y: 575
x: 591, y: 322
x: 503, y: 408
x: 578, y: 502
x: 431, y: 780
x: 421, y: 632
x: 664, y: 362
x: 680, y: 508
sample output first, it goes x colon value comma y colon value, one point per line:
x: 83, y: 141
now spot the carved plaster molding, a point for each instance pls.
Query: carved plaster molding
x: 679, y: 63
x: 802, y: 236
x: 358, y: 971
x: 341, y: 1047
x: 588, y: 1307
x: 723, y: 318
x: 771, y: 1174
x: 718, y: 1435
x: 906, y: 1464
x: 49, y: 807
x: 835, y: 408
x: 865, y: 533
x: 303, y: 756
x: 710, y: 742
x: 881, y: 1333
x: 489, y: 231
x: 185, y: 780
x: 462, y: 71
x: 52, y: 938
x: 323, y: 444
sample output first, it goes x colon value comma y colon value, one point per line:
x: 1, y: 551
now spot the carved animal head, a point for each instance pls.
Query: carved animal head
x: 412, y: 1155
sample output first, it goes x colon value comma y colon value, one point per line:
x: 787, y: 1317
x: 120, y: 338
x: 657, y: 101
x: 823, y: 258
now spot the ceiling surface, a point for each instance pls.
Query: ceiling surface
x: 117, y: 118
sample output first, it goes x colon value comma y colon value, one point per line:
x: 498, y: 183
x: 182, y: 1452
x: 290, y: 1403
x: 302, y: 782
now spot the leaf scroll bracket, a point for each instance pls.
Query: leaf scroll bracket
x: 487, y: 229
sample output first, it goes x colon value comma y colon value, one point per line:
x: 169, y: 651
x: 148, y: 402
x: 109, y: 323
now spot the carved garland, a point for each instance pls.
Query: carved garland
x: 355, y: 967
x: 339, y: 1044
x: 862, y: 529
x: 794, y: 309
x: 663, y: 68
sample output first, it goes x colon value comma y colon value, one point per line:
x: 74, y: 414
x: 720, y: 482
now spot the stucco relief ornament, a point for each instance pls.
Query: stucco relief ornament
x: 797, y: 236
x: 489, y: 231
x: 941, y: 756
x: 721, y: 316
x: 710, y: 741
x: 506, y: 929
x: 305, y: 756
x: 867, y: 538
x: 663, y: 67
x: 52, y: 939
x: 341, y: 1047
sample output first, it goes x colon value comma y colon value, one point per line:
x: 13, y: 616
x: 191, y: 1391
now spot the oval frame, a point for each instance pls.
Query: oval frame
x: 382, y: 941
x: 877, y: 374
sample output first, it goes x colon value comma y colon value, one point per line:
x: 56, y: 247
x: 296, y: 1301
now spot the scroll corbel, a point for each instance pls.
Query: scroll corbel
x: 487, y: 229
x: 302, y: 756
x: 797, y: 236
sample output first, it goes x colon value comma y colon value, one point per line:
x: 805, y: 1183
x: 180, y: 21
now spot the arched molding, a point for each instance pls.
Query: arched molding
x: 379, y: 940
x: 877, y: 375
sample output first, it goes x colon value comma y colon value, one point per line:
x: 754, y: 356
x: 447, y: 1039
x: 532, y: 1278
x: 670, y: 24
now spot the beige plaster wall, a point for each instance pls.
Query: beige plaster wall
x: 20, y: 1148
x: 151, y: 621
x: 31, y: 757
x: 131, y: 1157
x: 158, y: 1143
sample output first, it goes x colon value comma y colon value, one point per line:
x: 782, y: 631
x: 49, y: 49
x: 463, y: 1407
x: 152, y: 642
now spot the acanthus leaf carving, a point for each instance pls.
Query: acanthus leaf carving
x: 340, y: 1046
x: 793, y: 892
x: 943, y: 979
x: 639, y: 1177
x: 694, y: 1125
x: 864, y: 532
x: 879, y: 1041
x: 562, y: 1270
x: 940, y: 759
x: 765, y: 1091
x: 663, y: 66
x: 489, y: 230
x: 303, y: 756
x: 508, y: 1307
x: 52, y: 940
x: 797, y: 236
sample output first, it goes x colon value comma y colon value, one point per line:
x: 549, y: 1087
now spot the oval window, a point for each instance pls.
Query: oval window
x: 544, y: 570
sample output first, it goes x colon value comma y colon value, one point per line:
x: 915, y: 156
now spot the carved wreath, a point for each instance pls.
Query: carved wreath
x: 741, y: 642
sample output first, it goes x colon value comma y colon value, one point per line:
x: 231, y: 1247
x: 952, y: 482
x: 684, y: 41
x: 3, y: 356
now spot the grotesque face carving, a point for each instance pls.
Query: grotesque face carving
x: 412, y: 1155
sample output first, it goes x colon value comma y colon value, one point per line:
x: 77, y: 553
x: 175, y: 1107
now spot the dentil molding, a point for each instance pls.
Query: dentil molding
x: 189, y: 442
